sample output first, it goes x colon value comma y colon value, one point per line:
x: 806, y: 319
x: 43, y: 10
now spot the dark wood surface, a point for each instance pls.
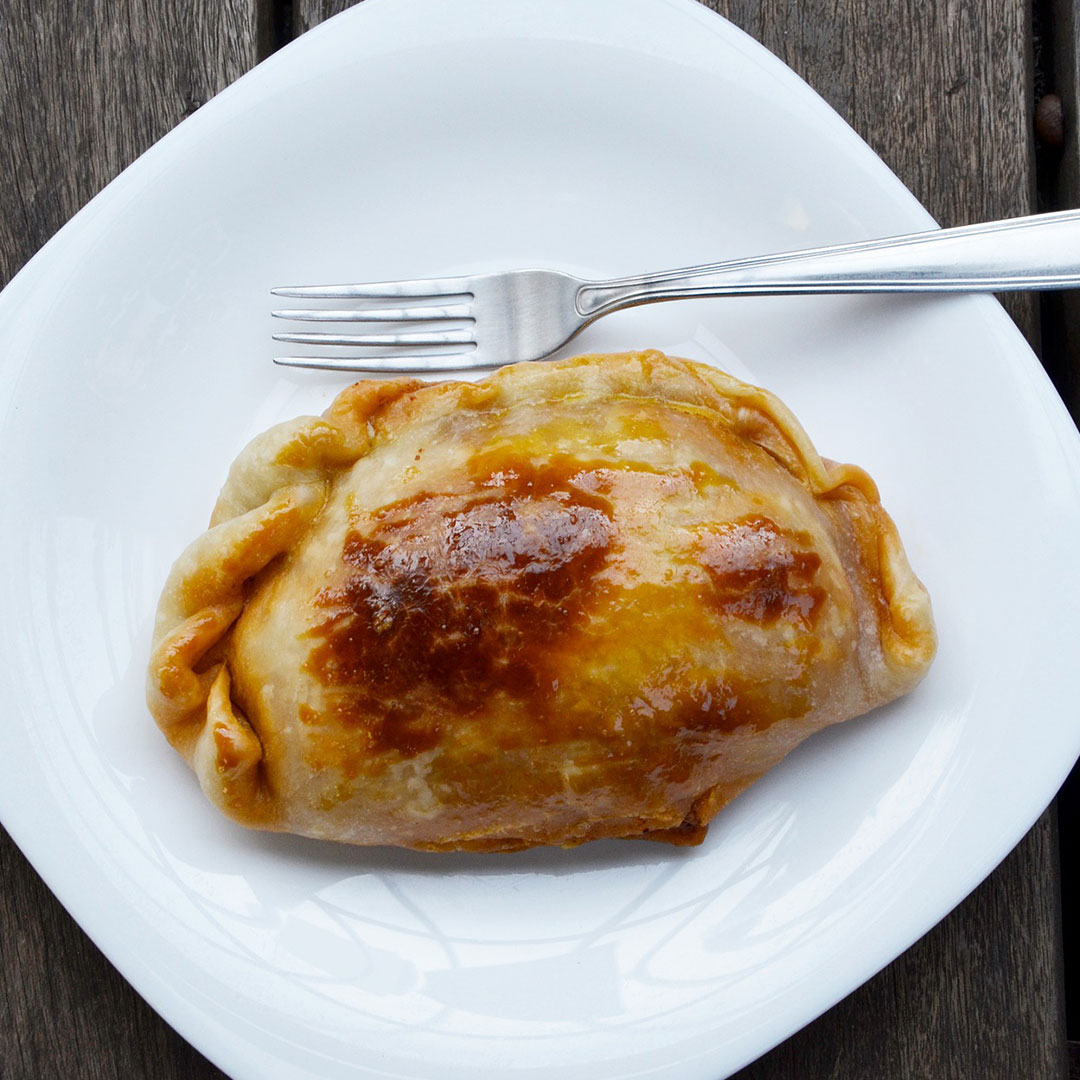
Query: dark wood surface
x: 1061, y: 167
x: 88, y: 85
x: 1058, y: 127
x: 944, y: 92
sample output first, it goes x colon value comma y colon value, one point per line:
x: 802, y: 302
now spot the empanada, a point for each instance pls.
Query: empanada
x: 590, y: 598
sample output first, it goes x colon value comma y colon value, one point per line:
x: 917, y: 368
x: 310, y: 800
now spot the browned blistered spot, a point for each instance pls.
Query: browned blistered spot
x: 761, y: 573
x: 452, y: 600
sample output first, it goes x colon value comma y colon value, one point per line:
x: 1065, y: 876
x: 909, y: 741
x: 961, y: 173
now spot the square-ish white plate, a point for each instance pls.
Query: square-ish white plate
x: 417, y: 137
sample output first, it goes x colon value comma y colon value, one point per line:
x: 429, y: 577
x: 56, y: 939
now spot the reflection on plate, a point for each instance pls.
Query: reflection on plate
x: 135, y: 356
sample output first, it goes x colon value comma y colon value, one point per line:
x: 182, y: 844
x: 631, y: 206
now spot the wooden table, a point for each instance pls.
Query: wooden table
x: 945, y: 91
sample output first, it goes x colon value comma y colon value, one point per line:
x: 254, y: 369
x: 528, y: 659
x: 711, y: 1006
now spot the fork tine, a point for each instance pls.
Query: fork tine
x: 430, y: 337
x: 391, y: 362
x: 399, y: 314
x: 432, y: 288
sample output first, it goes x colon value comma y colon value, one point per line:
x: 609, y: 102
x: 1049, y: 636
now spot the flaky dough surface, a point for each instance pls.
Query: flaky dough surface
x: 594, y: 597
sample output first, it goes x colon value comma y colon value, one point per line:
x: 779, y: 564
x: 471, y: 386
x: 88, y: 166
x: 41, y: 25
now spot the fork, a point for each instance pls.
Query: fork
x: 488, y: 320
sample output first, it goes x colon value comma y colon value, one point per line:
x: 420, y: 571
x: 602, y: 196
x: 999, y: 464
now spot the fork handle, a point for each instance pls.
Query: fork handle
x: 1037, y: 252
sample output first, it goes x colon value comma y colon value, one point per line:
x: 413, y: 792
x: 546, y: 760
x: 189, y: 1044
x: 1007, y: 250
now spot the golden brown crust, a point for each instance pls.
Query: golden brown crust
x: 590, y: 598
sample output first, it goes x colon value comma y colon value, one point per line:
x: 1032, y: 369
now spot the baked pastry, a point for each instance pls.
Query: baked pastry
x: 590, y: 598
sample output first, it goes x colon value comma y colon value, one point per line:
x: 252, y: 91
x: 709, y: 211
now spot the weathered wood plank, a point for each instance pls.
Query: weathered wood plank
x: 85, y: 88
x: 309, y: 13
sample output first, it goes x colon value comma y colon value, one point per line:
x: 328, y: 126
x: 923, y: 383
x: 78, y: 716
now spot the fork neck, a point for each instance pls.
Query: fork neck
x: 594, y: 299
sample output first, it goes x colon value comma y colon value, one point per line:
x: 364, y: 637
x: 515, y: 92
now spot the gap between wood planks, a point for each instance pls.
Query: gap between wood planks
x: 278, y: 25
x: 1055, y: 27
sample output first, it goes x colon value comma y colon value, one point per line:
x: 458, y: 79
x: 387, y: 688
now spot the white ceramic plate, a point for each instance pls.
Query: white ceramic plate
x: 418, y: 137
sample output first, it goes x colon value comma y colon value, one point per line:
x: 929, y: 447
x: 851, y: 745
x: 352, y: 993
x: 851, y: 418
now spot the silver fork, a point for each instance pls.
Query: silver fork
x: 488, y: 320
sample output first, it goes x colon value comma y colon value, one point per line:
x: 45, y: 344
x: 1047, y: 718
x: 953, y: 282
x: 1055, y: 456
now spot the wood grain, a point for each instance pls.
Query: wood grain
x: 88, y: 85
x: 942, y: 91
x: 309, y: 13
